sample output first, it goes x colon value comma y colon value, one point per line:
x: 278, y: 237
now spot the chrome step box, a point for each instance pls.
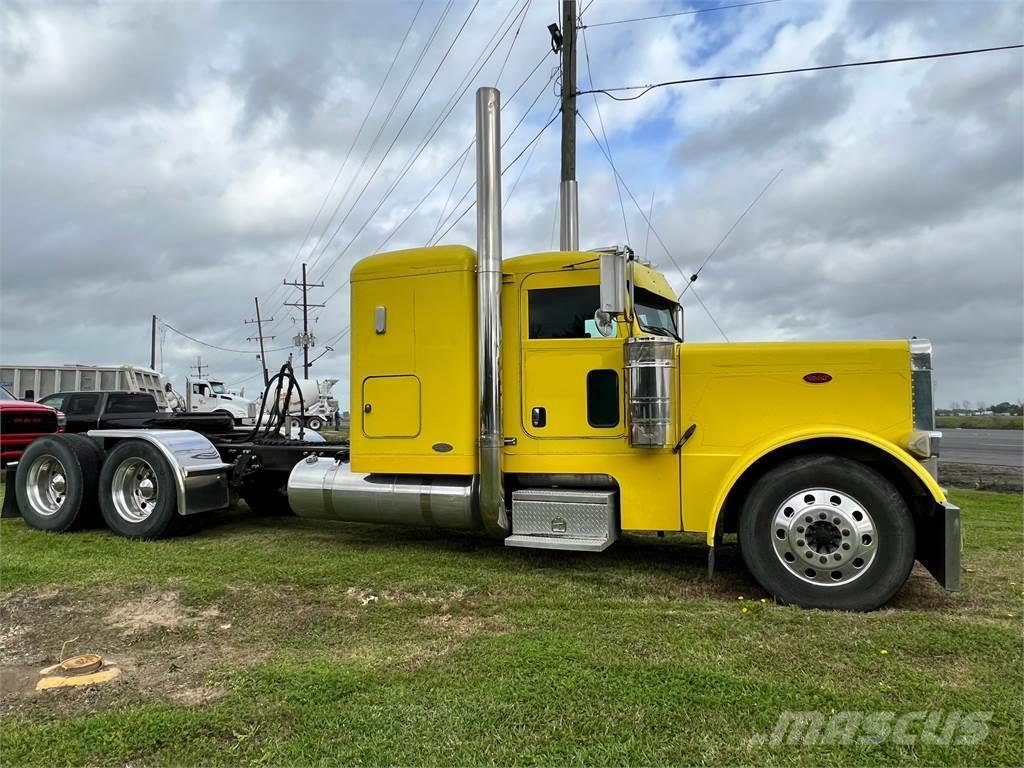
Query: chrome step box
x: 564, y: 518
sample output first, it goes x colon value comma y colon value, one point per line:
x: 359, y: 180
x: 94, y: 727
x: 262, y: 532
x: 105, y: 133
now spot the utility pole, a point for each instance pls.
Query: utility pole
x: 152, y: 345
x: 199, y: 366
x: 305, y: 340
x: 569, y: 239
x: 258, y: 322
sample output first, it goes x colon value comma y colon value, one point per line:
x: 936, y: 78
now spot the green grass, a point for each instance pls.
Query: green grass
x: 994, y: 421
x: 472, y: 653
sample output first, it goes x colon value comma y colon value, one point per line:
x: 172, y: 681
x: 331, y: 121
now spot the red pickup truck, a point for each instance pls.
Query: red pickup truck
x: 21, y: 422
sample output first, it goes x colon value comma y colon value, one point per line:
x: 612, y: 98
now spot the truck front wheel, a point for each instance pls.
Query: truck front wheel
x: 138, y: 495
x: 827, y: 532
x: 315, y: 423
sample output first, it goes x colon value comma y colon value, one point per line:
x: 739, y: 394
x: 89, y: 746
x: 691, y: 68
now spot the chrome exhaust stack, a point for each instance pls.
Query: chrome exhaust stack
x: 491, y: 494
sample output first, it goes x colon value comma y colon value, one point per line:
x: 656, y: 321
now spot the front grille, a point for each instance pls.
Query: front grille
x: 27, y: 422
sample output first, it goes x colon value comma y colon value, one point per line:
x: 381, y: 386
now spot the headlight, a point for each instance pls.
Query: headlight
x: 921, y: 388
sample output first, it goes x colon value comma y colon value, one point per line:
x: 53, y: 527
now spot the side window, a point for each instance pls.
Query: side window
x: 131, y: 404
x: 196, y: 390
x: 54, y: 401
x: 82, y: 405
x: 564, y: 313
x: 603, y: 398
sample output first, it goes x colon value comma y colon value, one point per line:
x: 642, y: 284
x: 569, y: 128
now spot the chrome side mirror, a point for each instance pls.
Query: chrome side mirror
x: 613, y: 284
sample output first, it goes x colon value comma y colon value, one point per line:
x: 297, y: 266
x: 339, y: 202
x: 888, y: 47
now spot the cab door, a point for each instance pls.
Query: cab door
x: 572, y: 376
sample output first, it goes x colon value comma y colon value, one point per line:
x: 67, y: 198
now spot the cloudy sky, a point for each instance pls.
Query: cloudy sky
x: 181, y: 158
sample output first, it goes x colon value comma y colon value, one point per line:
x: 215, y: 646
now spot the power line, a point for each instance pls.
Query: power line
x: 705, y: 306
x: 522, y: 171
x: 394, y: 140
x: 678, y: 13
x: 693, y: 277
x: 446, y: 112
x: 465, y: 155
x: 645, y: 89
x: 376, y: 138
x: 504, y: 142
x: 600, y: 119
x: 467, y: 80
x: 503, y: 171
x: 409, y: 215
x: 455, y: 182
x: 646, y: 218
x: 213, y: 346
x: 348, y: 154
x: 632, y: 197
x: 243, y: 381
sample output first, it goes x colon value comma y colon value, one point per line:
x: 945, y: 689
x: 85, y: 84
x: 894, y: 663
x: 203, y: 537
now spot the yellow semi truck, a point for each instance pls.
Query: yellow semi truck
x: 550, y: 400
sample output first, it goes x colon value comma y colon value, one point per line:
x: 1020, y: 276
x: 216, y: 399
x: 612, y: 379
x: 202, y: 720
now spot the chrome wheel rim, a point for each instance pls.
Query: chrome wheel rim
x: 824, y: 537
x: 47, y: 485
x: 134, y: 490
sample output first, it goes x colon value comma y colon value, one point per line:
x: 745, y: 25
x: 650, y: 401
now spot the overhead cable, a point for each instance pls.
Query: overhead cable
x: 678, y: 13
x: 645, y: 89
x: 352, y: 146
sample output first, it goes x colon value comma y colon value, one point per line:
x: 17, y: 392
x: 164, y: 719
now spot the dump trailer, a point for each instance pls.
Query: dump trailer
x: 549, y: 401
x: 38, y: 381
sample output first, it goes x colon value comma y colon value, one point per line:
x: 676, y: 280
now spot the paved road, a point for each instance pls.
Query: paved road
x: 1000, y: 447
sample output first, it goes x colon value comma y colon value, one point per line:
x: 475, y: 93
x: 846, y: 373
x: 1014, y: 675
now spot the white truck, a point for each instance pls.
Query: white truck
x: 34, y: 382
x: 205, y: 395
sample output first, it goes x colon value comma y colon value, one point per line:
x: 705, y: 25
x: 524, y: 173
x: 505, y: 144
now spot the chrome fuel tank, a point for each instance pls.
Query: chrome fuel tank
x: 327, y: 489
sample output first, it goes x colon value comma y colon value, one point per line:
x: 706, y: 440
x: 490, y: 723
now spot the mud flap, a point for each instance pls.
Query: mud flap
x: 10, y: 508
x: 939, y: 544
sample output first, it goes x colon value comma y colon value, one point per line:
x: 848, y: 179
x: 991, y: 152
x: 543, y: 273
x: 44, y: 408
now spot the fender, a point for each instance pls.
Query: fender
x: 200, y: 476
x: 791, y: 437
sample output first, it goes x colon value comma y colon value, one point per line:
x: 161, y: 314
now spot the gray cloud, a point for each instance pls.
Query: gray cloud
x: 169, y: 159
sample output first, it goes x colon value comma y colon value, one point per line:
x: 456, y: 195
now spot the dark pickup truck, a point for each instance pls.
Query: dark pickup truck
x: 128, y: 410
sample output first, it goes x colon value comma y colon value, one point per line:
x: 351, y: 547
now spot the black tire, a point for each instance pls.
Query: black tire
x: 157, y: 518
x: 267, y: 496
x: 853, y: 494
x: 79, y: 461
x: 316, y: 423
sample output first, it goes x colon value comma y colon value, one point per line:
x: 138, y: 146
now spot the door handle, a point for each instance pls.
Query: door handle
x: 539, y: 416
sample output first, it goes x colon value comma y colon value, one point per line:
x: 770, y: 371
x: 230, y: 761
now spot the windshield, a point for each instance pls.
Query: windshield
x: 5, y: 395
x: 217, y: 387
x: 656, y: 313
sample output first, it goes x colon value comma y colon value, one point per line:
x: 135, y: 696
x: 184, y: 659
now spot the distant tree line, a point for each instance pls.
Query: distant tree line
x: 964, y: 407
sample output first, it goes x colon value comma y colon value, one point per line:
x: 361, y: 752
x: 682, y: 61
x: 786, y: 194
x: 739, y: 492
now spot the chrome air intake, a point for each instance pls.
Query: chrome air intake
x: 488, y: 271
x: 649, y: 365
x: 326, y: 489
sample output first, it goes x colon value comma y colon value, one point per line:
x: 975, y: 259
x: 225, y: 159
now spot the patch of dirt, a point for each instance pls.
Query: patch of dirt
x: 165, y: 649
x: 162, y: 609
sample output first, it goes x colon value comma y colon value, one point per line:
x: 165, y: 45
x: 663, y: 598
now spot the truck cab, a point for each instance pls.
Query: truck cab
x: 610, y: 423
x: 211, y: 396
